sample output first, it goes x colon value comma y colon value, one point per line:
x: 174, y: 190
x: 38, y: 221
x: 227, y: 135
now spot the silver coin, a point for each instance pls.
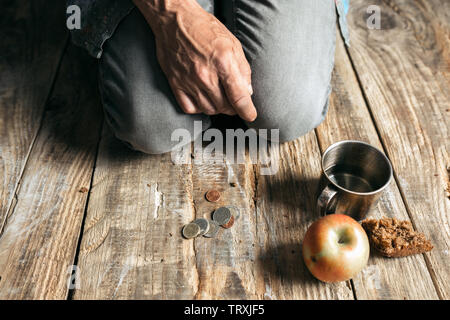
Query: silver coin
x: 221, y: 215
x: 203, y: 224
x: 234, y: 211
x: 191, y: 230
x: 213, y: 229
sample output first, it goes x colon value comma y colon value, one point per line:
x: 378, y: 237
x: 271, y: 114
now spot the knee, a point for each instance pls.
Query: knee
x: 136, y: 135
x: 155, y: 136
x: 136, y: 138
x: 153, y: 132
x: 145, y: 117
x: 293, y: 109
x: 291, y: 75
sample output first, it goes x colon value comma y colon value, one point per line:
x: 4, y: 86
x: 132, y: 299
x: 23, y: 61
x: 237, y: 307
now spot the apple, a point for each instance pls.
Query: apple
x: 335, y: 248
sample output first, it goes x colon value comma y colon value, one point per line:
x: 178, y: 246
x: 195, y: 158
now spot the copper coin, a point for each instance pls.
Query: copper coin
x: 229, y: 224
x: 212, y: 196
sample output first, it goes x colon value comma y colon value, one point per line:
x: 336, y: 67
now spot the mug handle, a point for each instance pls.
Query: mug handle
x: 325, y: 200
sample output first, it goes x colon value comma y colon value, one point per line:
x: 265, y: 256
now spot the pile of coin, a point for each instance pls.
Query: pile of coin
x: 222, y: 217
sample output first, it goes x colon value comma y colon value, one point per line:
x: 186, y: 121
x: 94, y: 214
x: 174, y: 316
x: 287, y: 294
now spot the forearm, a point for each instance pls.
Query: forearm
x: 159, y: 6
x: 161, y: 12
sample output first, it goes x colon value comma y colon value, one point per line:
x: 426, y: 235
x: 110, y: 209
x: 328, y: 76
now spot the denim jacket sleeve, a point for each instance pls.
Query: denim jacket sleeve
x: 99, y: 19
x: 342, y: 8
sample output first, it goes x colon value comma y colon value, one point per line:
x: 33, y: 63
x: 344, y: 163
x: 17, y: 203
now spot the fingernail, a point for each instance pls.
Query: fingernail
x: 250, y: 89
x: 252, y: 118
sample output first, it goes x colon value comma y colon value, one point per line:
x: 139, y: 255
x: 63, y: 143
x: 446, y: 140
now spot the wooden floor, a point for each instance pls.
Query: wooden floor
x: 70, y: 194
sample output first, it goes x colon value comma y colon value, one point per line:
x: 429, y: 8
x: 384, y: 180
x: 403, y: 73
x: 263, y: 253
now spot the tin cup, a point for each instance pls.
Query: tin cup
x: 354, y: 174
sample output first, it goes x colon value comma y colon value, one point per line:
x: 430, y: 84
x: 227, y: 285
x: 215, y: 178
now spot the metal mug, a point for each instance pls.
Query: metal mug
x: 354, y: 174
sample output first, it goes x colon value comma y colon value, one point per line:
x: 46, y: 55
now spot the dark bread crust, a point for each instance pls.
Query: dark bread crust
x: 395, y: 238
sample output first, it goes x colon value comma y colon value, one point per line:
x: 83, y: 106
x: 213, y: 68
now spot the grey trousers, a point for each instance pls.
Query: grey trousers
x: 290, y: 47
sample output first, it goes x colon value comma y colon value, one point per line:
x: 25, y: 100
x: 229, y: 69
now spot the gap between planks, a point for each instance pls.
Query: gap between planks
x: 360, y: 126
x: 71, y: 292
x: 12, y: 204
x: 369, y: 107
x: 405, y: 202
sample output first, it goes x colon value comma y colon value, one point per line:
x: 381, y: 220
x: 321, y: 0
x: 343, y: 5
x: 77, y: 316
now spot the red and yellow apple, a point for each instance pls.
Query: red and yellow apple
x: 335, y: 248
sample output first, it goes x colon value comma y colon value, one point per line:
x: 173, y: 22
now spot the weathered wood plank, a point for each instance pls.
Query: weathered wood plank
x: 39, y: 240
x: 404, y: 71
x: 227, y: 265
x: 33, y: 37
x: 132, y: 245
x: 260, y: 256
x: 349, y: 119
x: 285, y: 208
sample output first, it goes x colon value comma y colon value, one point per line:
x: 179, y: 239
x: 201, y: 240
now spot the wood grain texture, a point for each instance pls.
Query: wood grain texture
x: 132, y: 247
x: 349, y: 119
x: 260, y: 256
x: 285, y: 208
x: 228, y: 264
x: 39, y: 239
x: 404, y: 71
x: 33, y: 37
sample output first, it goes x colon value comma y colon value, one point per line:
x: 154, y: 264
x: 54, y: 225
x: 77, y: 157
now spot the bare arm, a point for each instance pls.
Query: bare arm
x: 202, y: 60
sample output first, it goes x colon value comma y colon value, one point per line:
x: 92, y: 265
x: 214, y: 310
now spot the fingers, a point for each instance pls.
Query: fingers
x: 201, y: 104
x: 219, y: 99
x: 226, y: 89
x: 244, y: 66
x: 238, y: 93
x: 205, y: 104
x: 185, y: 102
x: 208, y: 80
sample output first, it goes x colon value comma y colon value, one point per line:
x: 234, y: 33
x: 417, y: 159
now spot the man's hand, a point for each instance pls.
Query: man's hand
x: 203, y: 61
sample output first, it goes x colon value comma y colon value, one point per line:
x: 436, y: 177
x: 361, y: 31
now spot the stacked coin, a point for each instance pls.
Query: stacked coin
x: 235, y: 212
x: 191, y: 230
x: 200, y: 227
x: 226, y: 216
x: 213, y: 229
x: 223, y: 216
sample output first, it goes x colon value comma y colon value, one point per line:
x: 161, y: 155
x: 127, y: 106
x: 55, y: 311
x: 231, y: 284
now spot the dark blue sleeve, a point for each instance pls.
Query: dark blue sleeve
x: 342, y: 7
x: 99, y: 19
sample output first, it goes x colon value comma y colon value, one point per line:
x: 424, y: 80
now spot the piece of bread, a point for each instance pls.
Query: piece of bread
x: 395, y: 238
